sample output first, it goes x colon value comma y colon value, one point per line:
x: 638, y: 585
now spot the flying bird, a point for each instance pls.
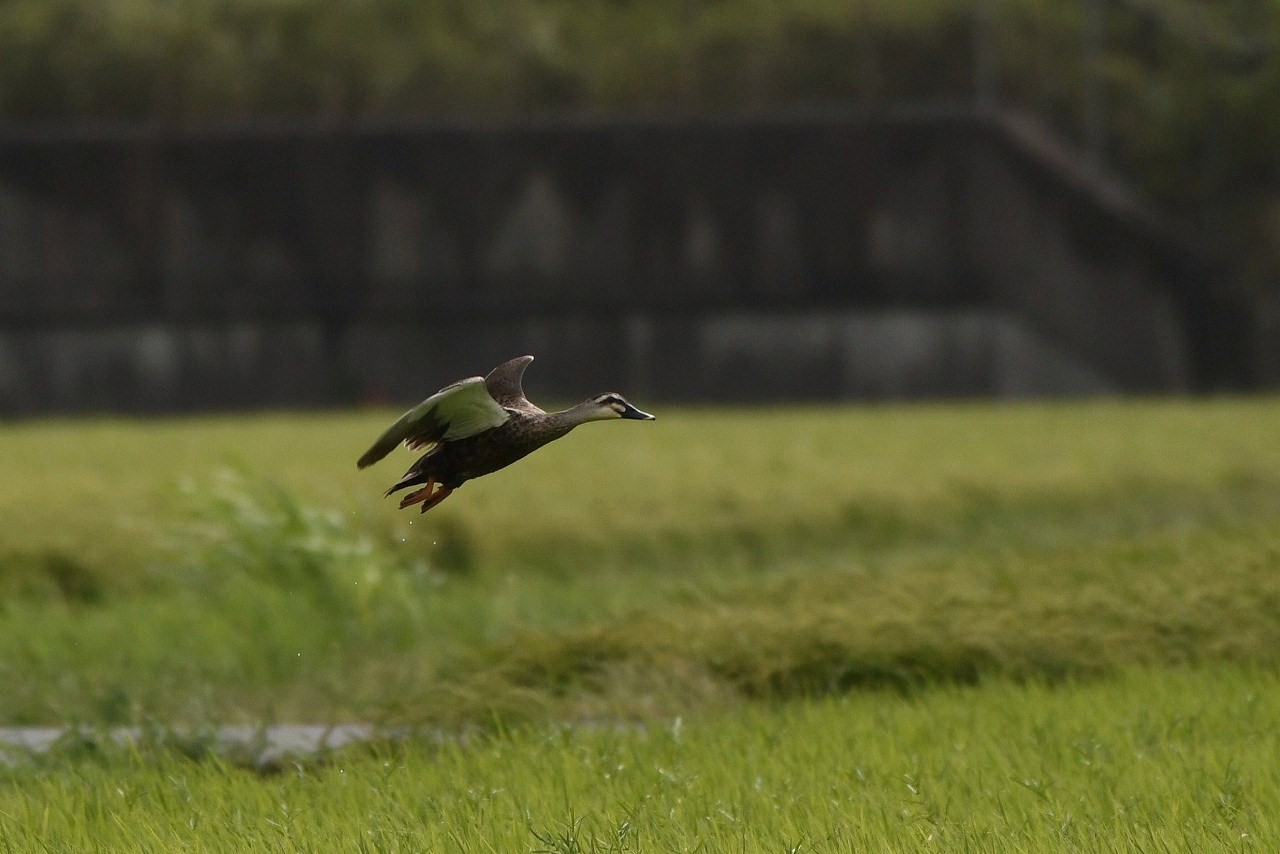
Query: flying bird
x: 479, y: 425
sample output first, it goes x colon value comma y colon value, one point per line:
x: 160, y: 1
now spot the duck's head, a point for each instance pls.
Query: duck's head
x: 609, y: 405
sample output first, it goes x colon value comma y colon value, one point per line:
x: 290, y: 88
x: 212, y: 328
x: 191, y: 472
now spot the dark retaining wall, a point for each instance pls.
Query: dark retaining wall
x: 800, y: 256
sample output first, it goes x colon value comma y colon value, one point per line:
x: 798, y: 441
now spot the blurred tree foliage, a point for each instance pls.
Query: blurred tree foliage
x: 1183, y: 94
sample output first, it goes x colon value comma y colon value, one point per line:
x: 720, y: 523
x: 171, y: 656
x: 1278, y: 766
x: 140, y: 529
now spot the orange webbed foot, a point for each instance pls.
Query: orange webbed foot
x: 441, y: 494
x: 423, y: 494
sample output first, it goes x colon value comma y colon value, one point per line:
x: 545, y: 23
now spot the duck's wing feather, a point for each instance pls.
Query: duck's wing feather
x: 504, y: 385
x: 455, y: 412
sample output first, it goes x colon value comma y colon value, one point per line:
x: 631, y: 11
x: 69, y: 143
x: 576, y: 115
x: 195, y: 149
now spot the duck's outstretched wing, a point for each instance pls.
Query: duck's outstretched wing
x: 455, y: 412
x: 504, y: 386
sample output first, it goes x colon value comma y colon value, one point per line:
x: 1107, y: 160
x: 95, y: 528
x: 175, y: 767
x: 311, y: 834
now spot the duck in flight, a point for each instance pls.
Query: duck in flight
x: 479, y: 425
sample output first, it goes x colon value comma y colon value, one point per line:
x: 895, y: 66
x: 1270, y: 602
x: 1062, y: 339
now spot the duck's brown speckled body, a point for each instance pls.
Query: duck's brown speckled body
x: 452, y: 463
x: 475, y: 427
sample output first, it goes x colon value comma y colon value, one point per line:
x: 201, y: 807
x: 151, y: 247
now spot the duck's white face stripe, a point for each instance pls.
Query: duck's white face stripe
x: 612, y: 401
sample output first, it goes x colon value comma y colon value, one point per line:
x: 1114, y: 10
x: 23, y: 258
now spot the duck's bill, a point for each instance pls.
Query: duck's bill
x: 636, y: 415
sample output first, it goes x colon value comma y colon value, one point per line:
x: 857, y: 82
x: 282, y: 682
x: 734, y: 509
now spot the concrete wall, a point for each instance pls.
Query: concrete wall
x: 824, y: 255
x: 732, y: 357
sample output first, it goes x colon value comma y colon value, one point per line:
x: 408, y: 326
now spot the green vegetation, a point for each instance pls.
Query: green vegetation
x: 724, y: 557
x: 1186, y: 90
x: 1149, y: 761
x: 151, y: 58
x: 945, y: 627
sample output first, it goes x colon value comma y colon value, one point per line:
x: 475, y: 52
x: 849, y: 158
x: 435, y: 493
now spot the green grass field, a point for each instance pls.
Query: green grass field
x: 965, y: 627
x: 1145, y: 761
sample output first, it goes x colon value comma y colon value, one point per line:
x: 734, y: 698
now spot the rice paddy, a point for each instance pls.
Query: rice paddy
x: 957, y: 627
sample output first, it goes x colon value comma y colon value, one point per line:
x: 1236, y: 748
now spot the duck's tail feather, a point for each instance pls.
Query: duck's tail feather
x: 411, y: 478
